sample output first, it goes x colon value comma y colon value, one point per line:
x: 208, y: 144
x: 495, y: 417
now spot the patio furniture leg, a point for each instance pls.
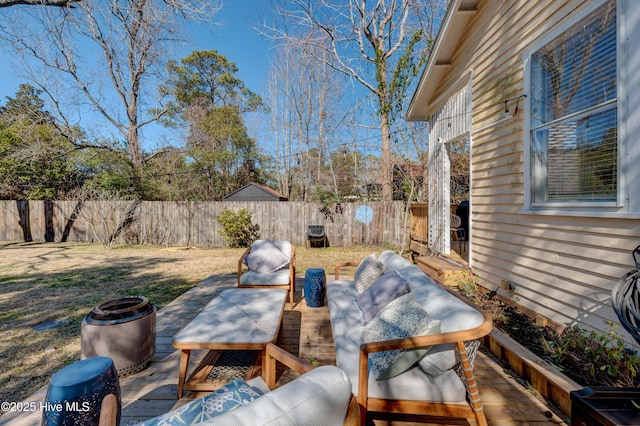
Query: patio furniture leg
x: 471, y: 385
x: 109, y: 411
x: 184, y: 364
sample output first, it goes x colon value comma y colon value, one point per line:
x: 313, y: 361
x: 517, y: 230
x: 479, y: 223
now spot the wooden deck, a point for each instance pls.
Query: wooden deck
x: 306, y: 332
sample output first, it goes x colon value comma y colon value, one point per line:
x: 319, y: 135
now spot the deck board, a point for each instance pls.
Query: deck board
x: 306, y: 332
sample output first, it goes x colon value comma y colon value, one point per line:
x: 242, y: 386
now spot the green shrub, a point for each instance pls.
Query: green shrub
x: 237, y: 228
x: 601, y: 356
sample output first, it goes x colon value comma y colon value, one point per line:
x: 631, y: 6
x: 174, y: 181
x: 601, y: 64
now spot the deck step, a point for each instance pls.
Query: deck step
x: 444, y: 271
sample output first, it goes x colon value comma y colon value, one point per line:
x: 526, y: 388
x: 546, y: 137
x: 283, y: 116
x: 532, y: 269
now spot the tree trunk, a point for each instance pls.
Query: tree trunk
x: 385, y: 168
x: 136, y: 156
x: 384, y: 110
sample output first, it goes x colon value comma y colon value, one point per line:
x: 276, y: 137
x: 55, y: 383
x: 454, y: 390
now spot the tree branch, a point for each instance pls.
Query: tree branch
x: 59, y: 3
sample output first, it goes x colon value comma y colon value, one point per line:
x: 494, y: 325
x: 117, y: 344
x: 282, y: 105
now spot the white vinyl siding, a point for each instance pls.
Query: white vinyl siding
x: 563, y: 261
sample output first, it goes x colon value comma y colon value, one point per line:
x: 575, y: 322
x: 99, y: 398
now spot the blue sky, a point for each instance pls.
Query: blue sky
x: 231, y: 34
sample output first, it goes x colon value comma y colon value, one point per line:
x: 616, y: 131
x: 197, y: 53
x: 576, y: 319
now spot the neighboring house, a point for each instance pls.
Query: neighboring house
x: 255, y: 192
x: 547, y: 94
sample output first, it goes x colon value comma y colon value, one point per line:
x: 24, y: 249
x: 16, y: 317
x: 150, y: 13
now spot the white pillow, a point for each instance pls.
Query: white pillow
x: 367, y: 273
x: 388, y: 287
x: 402, y: 317
x: 268, y: 256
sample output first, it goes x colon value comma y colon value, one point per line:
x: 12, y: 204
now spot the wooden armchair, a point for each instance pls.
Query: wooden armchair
x: 274, y: 353
x: 261, y: 266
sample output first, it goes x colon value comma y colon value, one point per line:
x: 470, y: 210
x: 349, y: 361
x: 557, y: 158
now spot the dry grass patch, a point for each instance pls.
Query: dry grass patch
x: 43, y: 282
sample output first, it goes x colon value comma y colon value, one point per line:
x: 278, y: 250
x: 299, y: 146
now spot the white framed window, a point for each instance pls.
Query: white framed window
x: 572, y: 130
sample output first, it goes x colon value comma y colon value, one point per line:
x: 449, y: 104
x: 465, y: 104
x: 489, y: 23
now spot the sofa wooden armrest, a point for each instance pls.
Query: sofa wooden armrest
x: 342, y: 265
x: 241, y: 264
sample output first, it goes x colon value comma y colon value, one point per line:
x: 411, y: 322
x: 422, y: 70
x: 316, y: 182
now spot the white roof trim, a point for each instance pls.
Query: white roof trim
x: 453, y: 25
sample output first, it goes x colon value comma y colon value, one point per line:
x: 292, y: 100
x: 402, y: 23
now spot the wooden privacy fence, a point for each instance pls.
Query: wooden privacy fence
x: 183, y: 223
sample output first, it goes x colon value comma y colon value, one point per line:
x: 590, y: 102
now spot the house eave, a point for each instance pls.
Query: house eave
x: 453, y: 25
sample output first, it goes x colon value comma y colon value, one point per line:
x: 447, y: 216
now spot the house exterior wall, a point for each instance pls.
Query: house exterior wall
x: 563, y: 264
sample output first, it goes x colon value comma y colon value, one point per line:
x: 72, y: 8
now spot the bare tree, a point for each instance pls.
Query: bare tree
x: 7, y: 3
x: 366, y: 41
x: 304, y: 100
x: 108, y: 213
x: 108, y: 55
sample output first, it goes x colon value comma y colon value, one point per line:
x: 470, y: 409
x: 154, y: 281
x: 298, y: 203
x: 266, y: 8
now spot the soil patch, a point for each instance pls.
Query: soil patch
x: 588, y: 358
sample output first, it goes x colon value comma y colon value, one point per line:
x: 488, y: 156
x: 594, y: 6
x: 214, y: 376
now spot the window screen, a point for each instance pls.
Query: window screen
x: 574, y: 137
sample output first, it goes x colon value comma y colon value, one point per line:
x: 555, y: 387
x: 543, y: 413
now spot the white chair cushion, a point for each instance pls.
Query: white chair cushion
x: 253, y: 278
x: 318, y: 398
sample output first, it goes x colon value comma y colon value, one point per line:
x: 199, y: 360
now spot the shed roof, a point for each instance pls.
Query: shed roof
x: 249, y: 191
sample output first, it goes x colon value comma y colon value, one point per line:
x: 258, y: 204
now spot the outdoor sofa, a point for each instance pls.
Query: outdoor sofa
x: 392, y: 366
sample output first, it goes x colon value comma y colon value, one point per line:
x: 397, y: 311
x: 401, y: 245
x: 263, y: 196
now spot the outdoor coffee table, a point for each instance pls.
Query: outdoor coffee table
x: 238, y: 319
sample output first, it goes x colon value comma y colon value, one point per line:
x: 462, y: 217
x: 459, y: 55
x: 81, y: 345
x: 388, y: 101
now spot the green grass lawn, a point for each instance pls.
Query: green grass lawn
x: 41, y: 282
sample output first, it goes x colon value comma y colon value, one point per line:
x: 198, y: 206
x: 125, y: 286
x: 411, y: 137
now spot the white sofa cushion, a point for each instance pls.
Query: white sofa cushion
x: 391, y: 261
x: 415, y: 385
x: 318, y: 398
x: 454, y: 313
x: 280, y: 277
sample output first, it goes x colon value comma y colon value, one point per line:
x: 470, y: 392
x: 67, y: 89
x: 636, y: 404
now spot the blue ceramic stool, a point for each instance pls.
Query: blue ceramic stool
x: 315, y: 287
x: 76, y: 392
